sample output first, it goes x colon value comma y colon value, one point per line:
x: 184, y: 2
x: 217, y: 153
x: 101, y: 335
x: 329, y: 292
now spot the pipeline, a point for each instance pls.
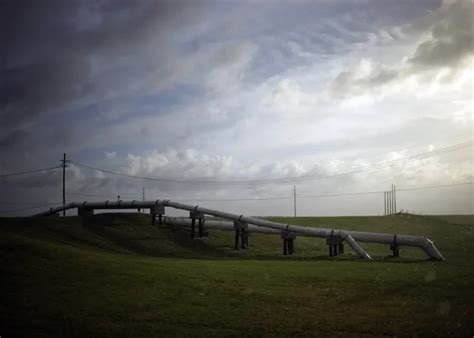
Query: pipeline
x: 351, y: 237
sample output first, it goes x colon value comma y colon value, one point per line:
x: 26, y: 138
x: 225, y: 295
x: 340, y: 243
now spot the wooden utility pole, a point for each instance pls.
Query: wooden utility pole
x: 64, y: 165
x: 294, y: 199
x: 143, y: 197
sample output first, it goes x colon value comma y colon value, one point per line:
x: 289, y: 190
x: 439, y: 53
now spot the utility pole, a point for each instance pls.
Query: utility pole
x: 64, y: 163
x: 384, y: 203
x: 294, y: 199
x: 143, y: 197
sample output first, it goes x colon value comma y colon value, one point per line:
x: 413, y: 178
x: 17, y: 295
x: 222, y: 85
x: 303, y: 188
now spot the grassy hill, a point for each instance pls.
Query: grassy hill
x: 117, y: 276
x: 456, y: 219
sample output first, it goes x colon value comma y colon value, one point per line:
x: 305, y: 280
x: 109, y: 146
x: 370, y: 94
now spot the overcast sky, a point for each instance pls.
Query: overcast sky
x: 238, y: 90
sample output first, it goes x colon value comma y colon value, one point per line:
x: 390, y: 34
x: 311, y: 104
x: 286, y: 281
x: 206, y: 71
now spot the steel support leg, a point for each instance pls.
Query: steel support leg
x: 193, y: 226
x: 200, y: 227
x: 237, y: 236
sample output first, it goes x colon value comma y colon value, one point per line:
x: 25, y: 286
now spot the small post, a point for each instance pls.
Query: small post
x: 288, y: 244
x: 291, y: 246
x: 395, y: 247
x: 340, y: 248
x: 157, y: 210
x: 200, y: 227
x: 237, y: 236
x: 143, y: 197
x: 193, y: 226
x: 241, y: 234
x: 64, y: 163
x: 196, y: 215
x: 242, y: 238
x: 336, y: 244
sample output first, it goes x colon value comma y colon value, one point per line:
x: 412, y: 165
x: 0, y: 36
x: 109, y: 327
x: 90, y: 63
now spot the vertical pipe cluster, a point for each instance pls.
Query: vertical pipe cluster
x: 390, y: 201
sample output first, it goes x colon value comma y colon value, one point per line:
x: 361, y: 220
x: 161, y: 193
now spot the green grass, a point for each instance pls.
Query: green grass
x: 456, y: 219
x: 116, y: 276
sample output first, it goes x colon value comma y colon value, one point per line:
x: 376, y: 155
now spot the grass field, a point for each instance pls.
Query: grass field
x: 116, y: 276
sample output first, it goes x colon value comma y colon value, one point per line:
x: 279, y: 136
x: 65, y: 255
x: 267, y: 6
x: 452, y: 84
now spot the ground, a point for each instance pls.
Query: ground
x: 117, y: 276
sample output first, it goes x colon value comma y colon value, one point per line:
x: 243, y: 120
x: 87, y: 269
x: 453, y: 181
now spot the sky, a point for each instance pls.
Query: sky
x: 230, y: 104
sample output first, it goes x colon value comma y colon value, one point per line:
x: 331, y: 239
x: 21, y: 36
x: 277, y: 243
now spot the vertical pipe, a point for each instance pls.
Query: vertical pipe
x: 389, y: 203
x: 294, y: 199
x: 391, y: 207
x: 193, y: 225
x: 395, y: 198
x: 200, y: 227
x: 143, y: 197
x: 237, y: 235
x: 64, y: 182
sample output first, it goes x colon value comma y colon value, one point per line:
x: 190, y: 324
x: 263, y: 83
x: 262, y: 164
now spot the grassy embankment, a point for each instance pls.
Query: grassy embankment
x: 117, y: 276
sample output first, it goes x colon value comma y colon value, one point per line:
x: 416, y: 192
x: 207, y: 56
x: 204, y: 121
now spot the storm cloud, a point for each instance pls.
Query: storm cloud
x: 209, y: 90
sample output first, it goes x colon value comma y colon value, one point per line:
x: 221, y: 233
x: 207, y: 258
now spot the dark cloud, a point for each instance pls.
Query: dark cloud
x: 56, y: 53
x: 89, y: 77
x: 448, y: 47
x: 45, y: 84
x: 451, y: 40
x: 351, y: 83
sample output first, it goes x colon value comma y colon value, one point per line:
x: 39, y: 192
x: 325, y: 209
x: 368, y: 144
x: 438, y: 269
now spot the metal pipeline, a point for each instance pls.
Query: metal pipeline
x: 351, y: 237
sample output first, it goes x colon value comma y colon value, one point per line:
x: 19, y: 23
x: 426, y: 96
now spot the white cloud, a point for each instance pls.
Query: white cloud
x: 110, y: 155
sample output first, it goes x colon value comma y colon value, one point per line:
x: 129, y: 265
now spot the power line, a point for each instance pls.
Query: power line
x: 28, y: 208
x: 95, y: 195
x: 434, y: 186
x: 323, y: 195
x: 318, y: 196
x: 247, y: 199
x: 342, y: 194
x: 235, y: 199
x: 29, y: 172
x: 18, y: 202
x: 382, y: 191
x: 307, y: 177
